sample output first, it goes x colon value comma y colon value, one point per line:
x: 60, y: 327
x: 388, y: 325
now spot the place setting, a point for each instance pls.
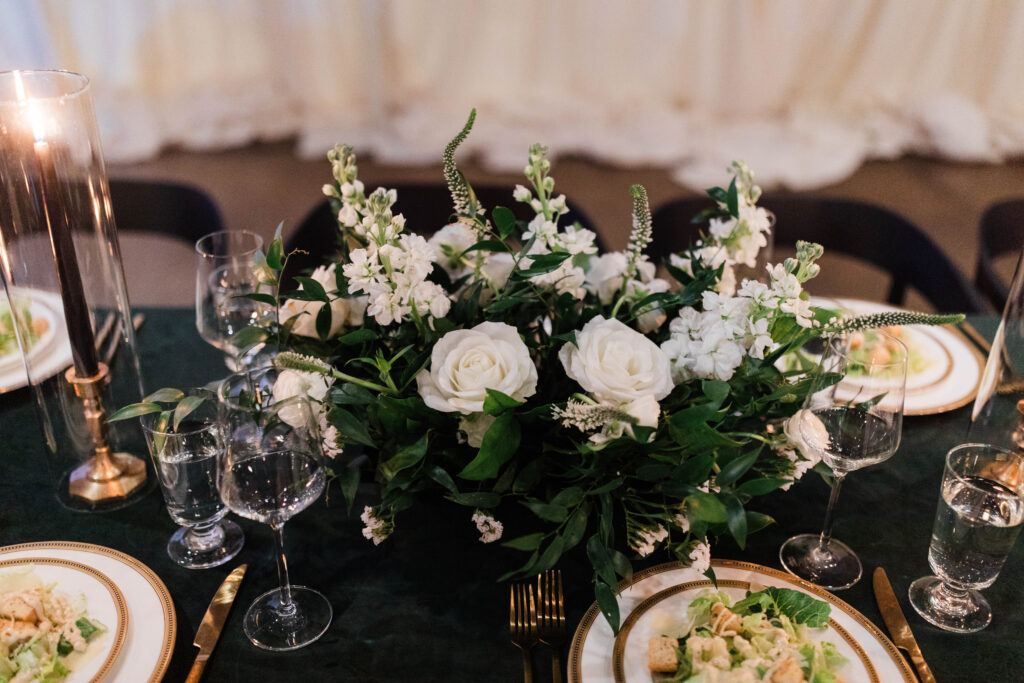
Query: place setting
x: 601, y: 423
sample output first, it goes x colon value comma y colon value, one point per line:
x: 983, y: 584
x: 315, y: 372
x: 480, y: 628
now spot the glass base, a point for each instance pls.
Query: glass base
x: 222, y: 543
x: 937, y: 605
x: 267, y: 627
x: 834, y: 567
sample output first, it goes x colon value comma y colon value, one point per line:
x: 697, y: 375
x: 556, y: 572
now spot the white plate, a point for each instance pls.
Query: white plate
x: 104, y: 603
x: 952, y: 372
x: 51, y: 354
x: 152, y: 625
x: 597, y: 656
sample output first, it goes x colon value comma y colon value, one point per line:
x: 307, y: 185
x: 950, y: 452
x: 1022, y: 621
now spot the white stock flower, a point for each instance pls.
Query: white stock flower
x: 490, y: 529
x: 644, y: 541
x: 497, y: 267
x: 464, y: 364
x: 700, y: 557
x: 617, y: 364
x: 306, y: 312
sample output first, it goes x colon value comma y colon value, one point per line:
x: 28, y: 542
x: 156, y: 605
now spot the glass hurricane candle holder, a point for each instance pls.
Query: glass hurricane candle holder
x: 63, y: 281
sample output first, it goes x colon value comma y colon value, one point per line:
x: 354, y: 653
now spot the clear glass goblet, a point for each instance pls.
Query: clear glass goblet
x: 186, y: 453
x: 981, y: 508
x: 227, y: 270
x: 852, y: 418
x: 273, y: 469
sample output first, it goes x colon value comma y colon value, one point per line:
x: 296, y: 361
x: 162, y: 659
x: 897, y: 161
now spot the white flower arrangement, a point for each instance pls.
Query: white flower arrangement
x: 507, y: 361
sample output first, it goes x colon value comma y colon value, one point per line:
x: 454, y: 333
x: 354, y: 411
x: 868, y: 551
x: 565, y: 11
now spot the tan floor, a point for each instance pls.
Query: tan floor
x: 259, y: 186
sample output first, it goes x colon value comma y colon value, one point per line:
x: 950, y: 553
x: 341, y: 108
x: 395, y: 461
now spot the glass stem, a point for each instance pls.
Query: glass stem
x: 287, y: 607
x: 826, y: 531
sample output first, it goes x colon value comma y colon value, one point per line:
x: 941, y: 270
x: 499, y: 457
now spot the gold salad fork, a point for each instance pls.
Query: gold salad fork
x: 551, y: 618
x: 522, y: 622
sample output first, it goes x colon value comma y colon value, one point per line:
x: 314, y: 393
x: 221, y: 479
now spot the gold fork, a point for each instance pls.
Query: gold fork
x: 551, y: 618
x: 522, y: 622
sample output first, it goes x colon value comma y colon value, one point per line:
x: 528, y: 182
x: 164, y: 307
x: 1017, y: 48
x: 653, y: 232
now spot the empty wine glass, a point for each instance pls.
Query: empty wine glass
x: 226, y: 271
x: 979, y: 517
x: 185, y: 456
x: 852, y: 418
x: 273, y: 468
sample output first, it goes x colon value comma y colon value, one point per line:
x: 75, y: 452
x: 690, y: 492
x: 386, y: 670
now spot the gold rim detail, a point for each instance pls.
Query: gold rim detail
x: 594, y: 612
x: 170, y: 620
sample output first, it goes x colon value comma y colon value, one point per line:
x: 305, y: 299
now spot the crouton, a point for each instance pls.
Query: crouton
x: 14, y: 633
x: 661, y: 654
x: 16, y: 607
x: 724, y: 622
x: 788, y: 672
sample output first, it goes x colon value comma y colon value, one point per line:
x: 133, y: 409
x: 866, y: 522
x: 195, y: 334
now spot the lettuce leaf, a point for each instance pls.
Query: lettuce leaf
x: 799, y: 607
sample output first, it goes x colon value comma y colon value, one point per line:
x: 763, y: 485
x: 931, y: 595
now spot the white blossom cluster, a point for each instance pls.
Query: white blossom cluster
x: 376, y: 527
x: 606, y: 275
x: 490, y: 529
x: 543, y: 233
x: 712, y: 342
x: 644, y: 541
x: 732, y: 239
x: 393, y: 267
x: 700, y: 557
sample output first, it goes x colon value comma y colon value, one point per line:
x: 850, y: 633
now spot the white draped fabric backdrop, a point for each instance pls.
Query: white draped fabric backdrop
x: 803, y: 90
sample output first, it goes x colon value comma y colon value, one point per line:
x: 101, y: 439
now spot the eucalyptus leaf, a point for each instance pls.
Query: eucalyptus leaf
x: 134, y: 410
x: 499, y: 445
x: 527, y: 542
x: 165, y: 395
x: 185, y: 408
x: 349, y: 480
x: 313, y: 288
x: 605, y: 596
x: 350, y: 428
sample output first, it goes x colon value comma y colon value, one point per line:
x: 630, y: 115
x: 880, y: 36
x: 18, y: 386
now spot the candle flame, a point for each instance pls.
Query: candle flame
x: 32, y: 113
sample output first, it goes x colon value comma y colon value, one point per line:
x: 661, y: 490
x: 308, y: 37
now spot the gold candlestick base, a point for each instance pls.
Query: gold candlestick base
x: 115, y: 476
x: 105, y: 476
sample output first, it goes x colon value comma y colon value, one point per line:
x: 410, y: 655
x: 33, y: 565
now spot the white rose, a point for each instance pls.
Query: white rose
x: 466, y: 363
x: 808, y: 433
x: 306, y: 311
x: 616, y: 363
x: 292, y: 383
x: 604, y: 275
x: 458, y: 237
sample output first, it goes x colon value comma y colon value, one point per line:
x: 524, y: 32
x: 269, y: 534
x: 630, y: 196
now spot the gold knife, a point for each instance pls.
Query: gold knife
x: 213, y: 621
x: 897, y: 624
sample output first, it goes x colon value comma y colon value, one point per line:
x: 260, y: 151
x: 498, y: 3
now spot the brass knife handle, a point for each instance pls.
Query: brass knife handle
x: 196, y: 672
x: 922, y: 666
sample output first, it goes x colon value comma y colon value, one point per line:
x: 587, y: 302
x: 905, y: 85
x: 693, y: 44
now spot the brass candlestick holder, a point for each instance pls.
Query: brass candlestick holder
x: 105, y: 476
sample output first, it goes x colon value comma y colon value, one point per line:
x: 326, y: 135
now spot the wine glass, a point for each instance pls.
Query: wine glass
x: 979, y: 516
x: 852, y: 418
x: 185, y: 456
x: 226, y: 271
x: 273, y: 468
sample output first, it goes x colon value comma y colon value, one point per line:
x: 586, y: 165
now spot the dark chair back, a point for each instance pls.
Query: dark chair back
x: 427, y: 208
x: 858, y: 229
x: 165, y: 207
x: 1002, y: 232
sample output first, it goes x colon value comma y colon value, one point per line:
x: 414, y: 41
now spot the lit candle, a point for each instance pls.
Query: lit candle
x: 69, y: 278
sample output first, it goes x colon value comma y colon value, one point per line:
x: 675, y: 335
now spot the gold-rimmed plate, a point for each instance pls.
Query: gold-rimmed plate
x: 104, y: 604
x: 945, y: 370
x: 597, y: 656
x: 152, y: 625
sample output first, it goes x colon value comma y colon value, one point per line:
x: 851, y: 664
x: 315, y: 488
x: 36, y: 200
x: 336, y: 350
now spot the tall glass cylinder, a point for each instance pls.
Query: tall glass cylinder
x: 997, y: 417
x: 64, y: 286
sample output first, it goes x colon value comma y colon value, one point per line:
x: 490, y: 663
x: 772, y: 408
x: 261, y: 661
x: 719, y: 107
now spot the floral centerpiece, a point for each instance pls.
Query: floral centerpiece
x: 501, y: 360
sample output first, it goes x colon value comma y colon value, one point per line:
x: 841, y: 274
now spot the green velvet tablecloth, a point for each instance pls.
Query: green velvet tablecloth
x: 425, y: 605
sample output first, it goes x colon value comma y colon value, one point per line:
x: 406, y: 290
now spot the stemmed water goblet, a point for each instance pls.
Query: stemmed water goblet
x: 227, y: 270
x: 852, y: 417
x: 273, y: 468
x: 186, y: 445
x: 979, y: 516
